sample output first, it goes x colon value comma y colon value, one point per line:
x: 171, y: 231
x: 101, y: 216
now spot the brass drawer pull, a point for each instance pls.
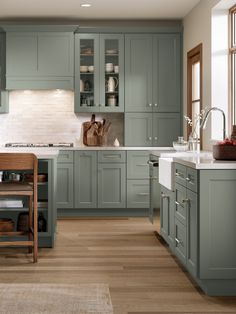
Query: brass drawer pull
x: 143, y: 194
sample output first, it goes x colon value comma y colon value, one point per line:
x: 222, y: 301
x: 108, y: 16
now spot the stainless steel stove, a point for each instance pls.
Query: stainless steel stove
x: 39, y: 145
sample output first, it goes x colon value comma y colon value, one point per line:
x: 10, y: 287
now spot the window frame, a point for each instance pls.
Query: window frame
x: 193, y: 56
x: 232, y: 65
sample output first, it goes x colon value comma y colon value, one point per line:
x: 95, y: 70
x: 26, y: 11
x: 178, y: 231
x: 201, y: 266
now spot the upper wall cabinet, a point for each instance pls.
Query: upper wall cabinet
x: 152, y: 73
x: 39, y: 60
x: 99, y: 73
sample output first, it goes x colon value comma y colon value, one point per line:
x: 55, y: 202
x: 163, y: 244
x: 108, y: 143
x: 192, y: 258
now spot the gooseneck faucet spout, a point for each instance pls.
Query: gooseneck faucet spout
x: 205, y: 119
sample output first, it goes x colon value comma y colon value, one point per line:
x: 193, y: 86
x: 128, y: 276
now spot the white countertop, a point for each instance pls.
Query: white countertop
x: 153, y: 150
x: 200, y: 160
x: 41, y: 153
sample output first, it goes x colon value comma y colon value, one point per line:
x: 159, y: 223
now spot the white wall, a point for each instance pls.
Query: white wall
x: 197, y: 29
x: 48, y: 117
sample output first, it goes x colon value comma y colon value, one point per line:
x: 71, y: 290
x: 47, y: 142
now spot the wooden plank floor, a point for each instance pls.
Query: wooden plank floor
x: 142, y: 274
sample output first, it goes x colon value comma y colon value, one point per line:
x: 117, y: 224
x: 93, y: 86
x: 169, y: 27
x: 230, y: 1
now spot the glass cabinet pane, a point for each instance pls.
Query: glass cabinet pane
x: 111, y: 72
x: 87, y: 69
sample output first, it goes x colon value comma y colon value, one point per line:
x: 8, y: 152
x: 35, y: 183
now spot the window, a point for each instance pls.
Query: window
x: 194, y: 87
x: 232, y: 51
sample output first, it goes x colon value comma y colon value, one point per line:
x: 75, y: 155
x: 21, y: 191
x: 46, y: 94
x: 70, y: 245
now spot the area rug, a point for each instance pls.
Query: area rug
x: 55, y: 299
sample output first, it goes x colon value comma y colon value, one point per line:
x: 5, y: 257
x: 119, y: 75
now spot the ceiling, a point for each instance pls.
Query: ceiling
x: 101, y: 9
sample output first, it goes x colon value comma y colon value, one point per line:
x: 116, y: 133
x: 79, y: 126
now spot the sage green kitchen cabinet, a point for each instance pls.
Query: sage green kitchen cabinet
x: 217, y: 233
x: 138, y: 73
x: 39, y: 60
x: 166, y: 73
x: 65, y: 184
x: 186, y: 217
x: 138, y: 129
x: 166, y: 129
x: 65, y: 180
x: 138, y: 187
x: 111, y: 185
x: 167, y: 216
x: 138, y: 194
x: 93, y: 93
x: 85, y: 179
x: 137, y: 165
x: 152, y: 72
x: 4, y: 102
x: 148, y: 129
x: 192, y: 232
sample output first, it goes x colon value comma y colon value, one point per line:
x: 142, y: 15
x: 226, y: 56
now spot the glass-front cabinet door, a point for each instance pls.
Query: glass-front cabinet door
x: 112, y: 72
x: 99, y: 73
x: 87, y: 75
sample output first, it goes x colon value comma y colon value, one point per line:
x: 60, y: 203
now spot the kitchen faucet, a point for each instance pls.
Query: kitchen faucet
x: 205, y: 119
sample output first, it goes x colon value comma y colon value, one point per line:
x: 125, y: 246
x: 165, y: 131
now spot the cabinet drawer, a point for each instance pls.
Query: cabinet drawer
x: 65, y: 156
x: 192, y: 179
x: 137, y: 165
x: 180, y: 203
x: 180, y: 174
x: 111, y: 156
x: 138, y: 193
x: 180, y: 241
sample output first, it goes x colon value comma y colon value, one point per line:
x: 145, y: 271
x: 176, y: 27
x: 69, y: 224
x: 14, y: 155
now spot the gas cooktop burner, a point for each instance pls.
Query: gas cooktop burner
x: 39, y: 145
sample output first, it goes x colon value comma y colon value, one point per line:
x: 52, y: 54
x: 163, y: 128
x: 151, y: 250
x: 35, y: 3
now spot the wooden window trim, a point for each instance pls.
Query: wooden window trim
x: 232, y: 52
x: 193, y: 56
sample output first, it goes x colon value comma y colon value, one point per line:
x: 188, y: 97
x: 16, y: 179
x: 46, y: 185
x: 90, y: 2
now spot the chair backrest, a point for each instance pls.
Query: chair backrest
x: 18, y: 161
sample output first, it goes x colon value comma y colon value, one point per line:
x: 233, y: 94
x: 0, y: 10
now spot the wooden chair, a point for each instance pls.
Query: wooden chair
x: 22, y: 161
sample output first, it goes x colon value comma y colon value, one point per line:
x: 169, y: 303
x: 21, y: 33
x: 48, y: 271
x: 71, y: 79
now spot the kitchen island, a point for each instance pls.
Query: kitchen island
x: 47, y: 164
x: 198, y: 221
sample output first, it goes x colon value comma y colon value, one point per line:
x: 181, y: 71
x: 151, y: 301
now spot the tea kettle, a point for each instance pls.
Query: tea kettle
x: 112, y: 83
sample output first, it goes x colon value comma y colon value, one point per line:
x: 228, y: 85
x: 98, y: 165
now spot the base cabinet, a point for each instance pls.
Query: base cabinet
x: 85, y: 173
x: 111, y: 185
x: 205, y: 226
x: 167, y: 216
x: 217, y: 232
x: 65, y: 184
x: 186, y: 217
x: 65, y: 180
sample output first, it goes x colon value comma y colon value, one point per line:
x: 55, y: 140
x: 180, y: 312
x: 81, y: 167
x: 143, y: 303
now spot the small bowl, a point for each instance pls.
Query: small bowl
x: 180, y: 147
x: 83, y: 68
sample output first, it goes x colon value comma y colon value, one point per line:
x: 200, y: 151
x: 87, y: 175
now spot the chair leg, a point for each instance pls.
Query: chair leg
x: 35, y: 231
x: 30, y: 222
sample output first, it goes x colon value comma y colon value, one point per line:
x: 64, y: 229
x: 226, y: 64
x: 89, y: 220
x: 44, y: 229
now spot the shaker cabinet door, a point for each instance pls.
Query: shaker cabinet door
x: 111, y: 185
x: 138, y: 129
x: 138, y: 73
x: 166, y: 73
x: 65, y: 185
x: 85, y: 179
x: 166, y: 129
x: 192, y: 232
x: 55, y: 54
x: 21, y: 57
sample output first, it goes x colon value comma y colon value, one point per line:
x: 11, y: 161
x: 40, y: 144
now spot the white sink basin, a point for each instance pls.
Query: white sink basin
x: 166, y: 166
x: 166, y: 172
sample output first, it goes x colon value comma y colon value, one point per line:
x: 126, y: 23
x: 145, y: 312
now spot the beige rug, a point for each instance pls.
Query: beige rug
x: 55, y: 299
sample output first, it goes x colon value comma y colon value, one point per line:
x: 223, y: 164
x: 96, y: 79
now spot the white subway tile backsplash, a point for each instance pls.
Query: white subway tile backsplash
x: 48, y: 116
